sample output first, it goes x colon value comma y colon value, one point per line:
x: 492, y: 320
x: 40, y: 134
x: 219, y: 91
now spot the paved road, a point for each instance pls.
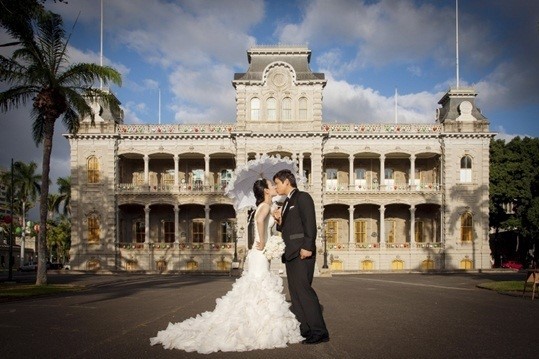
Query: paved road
x: 369, y: 316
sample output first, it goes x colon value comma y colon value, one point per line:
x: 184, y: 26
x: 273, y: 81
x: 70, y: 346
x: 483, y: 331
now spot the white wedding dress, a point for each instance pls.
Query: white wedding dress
x: 252, y: 315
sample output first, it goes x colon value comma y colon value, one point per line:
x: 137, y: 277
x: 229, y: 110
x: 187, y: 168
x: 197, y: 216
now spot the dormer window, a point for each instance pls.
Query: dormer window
x: 303, y: 108
x: 272, y: 109
x: 255, y: 109
x: 287, y: 109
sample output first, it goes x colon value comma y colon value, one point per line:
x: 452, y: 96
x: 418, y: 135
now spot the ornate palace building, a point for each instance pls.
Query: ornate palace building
x: 389, y: 197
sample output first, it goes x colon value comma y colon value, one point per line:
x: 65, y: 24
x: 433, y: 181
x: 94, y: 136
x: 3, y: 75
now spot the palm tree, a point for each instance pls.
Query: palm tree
x: 64, y: 198
x: 39, y: 70
x: 27, y: 185
x: 52, y: 206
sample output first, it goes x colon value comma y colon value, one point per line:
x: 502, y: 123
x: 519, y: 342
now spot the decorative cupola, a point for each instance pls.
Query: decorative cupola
x: 104, y: 119
x: 459, y: 113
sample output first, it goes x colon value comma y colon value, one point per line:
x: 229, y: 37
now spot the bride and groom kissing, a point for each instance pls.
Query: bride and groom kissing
x: 254, y: 313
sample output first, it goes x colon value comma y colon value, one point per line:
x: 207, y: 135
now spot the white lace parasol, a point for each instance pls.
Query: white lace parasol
x: 240, y: 188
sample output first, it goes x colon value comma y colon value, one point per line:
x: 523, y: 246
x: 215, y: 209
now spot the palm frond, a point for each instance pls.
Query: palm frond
x: 16, y: 96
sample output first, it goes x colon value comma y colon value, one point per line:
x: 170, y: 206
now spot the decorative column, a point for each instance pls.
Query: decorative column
x: 351, y: 172
x: 206, y: 170
x: 351, y: 234
x: 176, y: 223
x: 176, y: 167
x: 207, y: 224
x: 147, y: 223
x: 146, y: 170
x: 412, y: 224
x: 381, y: 235
x: 412, y: 173
x: 382, y: 178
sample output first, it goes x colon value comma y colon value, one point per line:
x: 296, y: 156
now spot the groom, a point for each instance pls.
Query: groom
x: 296, y: 220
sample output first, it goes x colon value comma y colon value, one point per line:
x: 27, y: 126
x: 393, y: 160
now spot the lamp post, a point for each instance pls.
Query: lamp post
x: 235, y: 259
x: 322, y: 230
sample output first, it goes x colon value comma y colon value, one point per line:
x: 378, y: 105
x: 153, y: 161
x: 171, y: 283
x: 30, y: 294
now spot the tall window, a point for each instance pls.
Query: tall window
x: 198, y: 179
x: 140, y: 232
x: 168, y: 231
x: 225, y: 177
x: 93, y: 170
x: 93, y: 229
x: 255, y: 109
x: 390, y: 227
x: 419, y: 231
x: 360, y: 231
x: 287, y: 109
x: 226, y: 228
x: 466, y: 227
x: 466, y: 169
x: 198, y: 231
x: 272, y: 109
x: 331, y: 179
x: 360, y: 173
x: 303, y: 108
x: 332, y: 231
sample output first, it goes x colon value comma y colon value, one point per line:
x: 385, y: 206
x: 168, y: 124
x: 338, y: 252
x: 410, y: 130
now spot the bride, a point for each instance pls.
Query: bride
x: 253, y: 314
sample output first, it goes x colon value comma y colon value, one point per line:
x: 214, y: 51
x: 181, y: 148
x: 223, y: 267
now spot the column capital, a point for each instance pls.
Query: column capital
x: 351, y: 208
x: 146, y: 157
x: 382, y: 208
x: 176, y: 157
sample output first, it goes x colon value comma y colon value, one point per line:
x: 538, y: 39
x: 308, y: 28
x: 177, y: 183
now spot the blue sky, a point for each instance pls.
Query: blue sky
x: 190, y: 50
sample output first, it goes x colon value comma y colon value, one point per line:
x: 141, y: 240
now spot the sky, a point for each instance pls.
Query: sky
x: 186, y: 54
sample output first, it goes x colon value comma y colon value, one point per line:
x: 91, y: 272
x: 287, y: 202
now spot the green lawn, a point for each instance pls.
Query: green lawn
x: 506, y: 286
x: 15, y: 290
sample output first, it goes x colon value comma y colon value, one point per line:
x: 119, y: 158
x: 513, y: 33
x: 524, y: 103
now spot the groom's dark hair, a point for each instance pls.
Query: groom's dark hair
x: 283, y: 175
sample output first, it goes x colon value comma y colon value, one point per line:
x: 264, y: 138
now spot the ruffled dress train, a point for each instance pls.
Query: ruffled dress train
x: 252, y: 315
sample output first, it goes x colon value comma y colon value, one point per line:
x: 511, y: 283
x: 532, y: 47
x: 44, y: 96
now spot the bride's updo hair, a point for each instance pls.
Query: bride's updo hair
x: 258, y: 189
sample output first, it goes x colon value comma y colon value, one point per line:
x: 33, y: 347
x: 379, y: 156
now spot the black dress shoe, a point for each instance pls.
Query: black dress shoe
x: 316, y: 340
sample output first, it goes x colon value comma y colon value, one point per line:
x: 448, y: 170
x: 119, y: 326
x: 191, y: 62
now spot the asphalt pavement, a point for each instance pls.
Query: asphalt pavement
x: 368, y: 316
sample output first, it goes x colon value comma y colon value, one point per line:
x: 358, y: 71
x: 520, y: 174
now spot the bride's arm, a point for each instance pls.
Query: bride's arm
x: 260, y: 219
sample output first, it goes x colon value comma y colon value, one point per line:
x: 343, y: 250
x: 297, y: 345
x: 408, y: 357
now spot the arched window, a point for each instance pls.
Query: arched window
x: 93, y: 169
x: 94, y: 231
x: 287, y: 109
x: 466, y: 264
x: 466, y: 169
x: 255, y: 109
x: 272, y: 109
x: 303, y: 108
x: 466, y: 227
x: 367, y: 265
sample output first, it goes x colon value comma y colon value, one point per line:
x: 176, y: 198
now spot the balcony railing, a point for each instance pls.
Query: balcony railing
x: 182, y: 246
x: 373, y: 246
x: 182, y: 188
x: 376, y: 187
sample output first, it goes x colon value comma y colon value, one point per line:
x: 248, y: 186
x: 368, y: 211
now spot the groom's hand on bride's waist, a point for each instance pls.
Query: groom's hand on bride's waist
x: 303, y: 253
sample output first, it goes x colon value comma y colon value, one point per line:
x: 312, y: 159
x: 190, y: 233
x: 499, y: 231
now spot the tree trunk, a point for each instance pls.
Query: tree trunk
x: 48, y: 132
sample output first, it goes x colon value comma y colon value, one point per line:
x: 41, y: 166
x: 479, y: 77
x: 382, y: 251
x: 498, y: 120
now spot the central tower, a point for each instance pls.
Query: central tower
x: 279, y: 91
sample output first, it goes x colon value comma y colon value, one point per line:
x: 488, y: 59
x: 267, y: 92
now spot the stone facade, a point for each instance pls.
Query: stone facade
x: 389, y: 197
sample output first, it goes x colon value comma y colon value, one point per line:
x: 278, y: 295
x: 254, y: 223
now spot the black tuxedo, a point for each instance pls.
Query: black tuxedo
x: 298, y: 229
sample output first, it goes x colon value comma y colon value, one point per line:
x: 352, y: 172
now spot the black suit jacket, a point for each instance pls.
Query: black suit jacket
x: 298, y: 225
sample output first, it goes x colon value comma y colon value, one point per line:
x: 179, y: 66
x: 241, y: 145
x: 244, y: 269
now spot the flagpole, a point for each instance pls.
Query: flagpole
x: 457, y: 39
x: 101, y: 45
